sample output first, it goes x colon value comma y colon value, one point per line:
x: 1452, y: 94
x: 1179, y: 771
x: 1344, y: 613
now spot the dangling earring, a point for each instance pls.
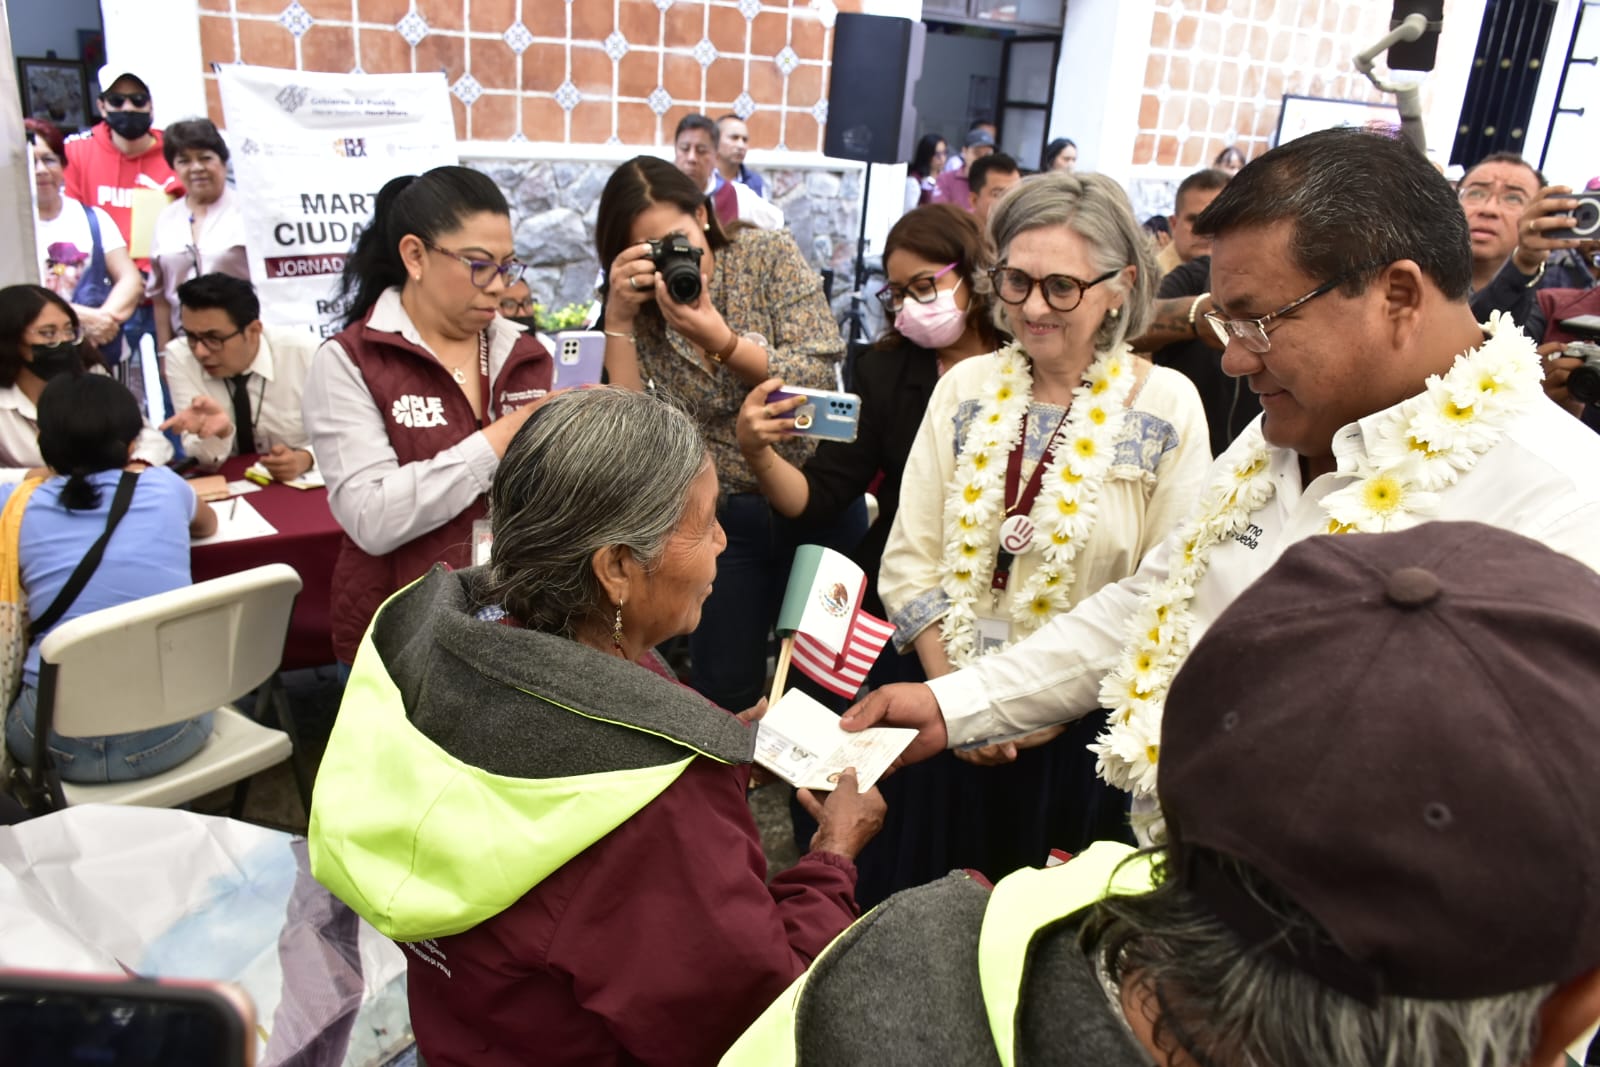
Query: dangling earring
x: 616, y: 630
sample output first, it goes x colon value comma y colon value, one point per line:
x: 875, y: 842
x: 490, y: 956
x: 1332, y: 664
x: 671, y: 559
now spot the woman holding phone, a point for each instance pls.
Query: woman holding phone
x: 939, y: 313
x: 743, y: 306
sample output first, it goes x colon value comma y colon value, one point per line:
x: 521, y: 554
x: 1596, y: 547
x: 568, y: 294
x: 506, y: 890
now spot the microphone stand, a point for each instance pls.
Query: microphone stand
x: 1408, y: 99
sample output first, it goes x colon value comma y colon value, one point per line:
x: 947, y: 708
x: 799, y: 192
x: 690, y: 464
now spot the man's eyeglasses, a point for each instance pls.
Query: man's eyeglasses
x: 483, y: 271
x: 211, y: 342
x: 1252, y: 333
x: 511, y: 307
x: 1477, y: 196
x: 119, y: 99
x: 1061, y: 291
x: 922, y: 289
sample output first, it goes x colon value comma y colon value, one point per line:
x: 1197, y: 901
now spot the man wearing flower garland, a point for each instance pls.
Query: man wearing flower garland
x: 1357, y: 872
x: 1340, y: 274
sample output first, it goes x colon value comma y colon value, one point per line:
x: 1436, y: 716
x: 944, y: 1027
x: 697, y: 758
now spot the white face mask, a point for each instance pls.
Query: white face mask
x: 936, y: 324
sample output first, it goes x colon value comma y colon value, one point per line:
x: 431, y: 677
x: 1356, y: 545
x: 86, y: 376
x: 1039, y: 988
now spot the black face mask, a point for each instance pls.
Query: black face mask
x: 129, y: 124
x: 49, y: 361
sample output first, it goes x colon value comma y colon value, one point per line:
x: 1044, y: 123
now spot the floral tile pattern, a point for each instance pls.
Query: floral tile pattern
x: 586, y: 72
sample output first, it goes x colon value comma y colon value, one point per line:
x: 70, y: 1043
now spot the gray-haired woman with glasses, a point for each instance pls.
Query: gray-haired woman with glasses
x: 1041, y: 472
x: 411, y: 405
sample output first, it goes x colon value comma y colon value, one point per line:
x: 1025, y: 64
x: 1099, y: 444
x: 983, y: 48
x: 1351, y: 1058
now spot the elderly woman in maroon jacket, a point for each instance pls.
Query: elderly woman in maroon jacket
x: 412, y: 404
x: 519, y: 791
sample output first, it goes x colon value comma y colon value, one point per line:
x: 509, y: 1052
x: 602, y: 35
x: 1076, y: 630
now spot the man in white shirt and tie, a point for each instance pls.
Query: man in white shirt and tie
x: 1385, y: 404
x: 235, y: 383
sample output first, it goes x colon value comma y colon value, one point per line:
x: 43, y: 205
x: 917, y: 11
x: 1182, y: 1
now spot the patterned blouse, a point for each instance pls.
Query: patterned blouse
x: 762, y: 285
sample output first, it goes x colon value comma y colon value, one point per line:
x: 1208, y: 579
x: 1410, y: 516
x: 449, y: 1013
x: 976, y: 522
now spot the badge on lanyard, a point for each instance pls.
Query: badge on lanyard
x: 482, y: 541
x: 992, y: 634
x: 1017, y: 531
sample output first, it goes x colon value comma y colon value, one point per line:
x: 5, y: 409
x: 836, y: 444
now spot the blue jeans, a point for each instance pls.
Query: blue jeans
x: 728, y: 650
x: 114, y: 758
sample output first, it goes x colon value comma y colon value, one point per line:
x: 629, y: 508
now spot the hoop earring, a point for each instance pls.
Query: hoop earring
x: 616, y: 630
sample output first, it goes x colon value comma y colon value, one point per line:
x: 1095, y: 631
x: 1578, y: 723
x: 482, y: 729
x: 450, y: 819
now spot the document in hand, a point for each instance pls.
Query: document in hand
x: 802, y: 742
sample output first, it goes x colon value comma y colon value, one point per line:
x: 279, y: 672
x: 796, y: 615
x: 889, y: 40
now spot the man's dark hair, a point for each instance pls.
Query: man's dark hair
x: 978, y: 172
x: 233, y: 295
x: 1503, y: 157
x: 1358, y: 201
x: 696, y: 121
x: 1202, y: 181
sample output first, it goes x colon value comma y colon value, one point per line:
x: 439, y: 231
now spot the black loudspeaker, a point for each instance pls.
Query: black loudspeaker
x: 876, y: 63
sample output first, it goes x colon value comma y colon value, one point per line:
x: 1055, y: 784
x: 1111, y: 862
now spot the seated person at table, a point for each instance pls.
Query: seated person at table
x: 519, y: 792
x: 88, y: 425
x: 235, y: 383
x: 41, y: 337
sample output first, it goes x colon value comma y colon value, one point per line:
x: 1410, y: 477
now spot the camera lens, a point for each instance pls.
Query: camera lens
x: 682, y: 277
x: 1584, y: 383
x: 1586, y: 218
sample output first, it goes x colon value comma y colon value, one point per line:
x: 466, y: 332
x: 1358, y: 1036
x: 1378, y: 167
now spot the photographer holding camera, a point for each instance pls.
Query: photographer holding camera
x: 699, y: 316
x: 1527, y: 236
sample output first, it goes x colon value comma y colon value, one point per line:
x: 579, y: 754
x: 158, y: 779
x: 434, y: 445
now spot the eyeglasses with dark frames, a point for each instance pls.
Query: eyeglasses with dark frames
x: 511, y: 306
x: 211, y: 342
x: 1252, y: 333
x: 1062, y: 292
x: 483, y: 271
x: 115, y: 100
x: 922, y: 289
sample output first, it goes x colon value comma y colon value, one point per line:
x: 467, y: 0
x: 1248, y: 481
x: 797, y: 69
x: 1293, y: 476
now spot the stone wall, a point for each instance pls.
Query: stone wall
x: 554, y: 207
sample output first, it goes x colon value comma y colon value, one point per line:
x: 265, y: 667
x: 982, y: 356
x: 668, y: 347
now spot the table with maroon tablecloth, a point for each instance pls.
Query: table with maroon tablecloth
x: 307, y: 540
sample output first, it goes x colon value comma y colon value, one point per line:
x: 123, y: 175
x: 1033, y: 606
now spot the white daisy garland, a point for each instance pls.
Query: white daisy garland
x: 1063, y: 514
x: 1417, y: 448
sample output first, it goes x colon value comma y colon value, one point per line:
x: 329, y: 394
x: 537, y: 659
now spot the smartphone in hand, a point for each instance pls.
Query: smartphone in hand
x: 829, y: 416
x: 62, y: 1020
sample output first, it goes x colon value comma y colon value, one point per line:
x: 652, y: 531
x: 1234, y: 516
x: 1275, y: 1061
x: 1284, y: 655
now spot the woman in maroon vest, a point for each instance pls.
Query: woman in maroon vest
x: 412, y: 404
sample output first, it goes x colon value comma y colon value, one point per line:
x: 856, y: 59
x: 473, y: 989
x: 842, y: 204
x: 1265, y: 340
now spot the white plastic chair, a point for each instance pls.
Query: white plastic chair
x: 163, y: 659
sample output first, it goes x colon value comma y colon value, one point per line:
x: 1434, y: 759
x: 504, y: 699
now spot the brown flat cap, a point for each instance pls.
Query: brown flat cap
x: 1401, y: 732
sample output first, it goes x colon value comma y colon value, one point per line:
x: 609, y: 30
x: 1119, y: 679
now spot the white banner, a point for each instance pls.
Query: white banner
x: 310, y: 152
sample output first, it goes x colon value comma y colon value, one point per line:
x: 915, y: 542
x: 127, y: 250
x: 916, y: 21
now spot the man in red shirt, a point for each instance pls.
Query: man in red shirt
x: 105, y: 165
x: 108, y: 161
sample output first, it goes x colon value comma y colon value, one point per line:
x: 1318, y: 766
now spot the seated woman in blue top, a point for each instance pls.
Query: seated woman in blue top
x: 88, y: 425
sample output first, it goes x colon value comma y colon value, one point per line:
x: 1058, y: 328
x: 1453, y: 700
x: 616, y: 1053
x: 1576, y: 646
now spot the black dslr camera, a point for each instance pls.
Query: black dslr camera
x: 678, y: 262
x: 1584, y: 382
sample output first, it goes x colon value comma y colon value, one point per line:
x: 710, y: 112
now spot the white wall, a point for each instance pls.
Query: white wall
x: 159, y: 40
x: 1100, y: 81
x: 17, y: 263
x: 1569, y: 156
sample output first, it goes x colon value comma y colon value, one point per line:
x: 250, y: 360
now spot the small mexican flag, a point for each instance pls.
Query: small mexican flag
x: 835, y: 642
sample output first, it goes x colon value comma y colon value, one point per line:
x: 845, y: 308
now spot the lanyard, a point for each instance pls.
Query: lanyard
x: 1023, y: 504
x: 483, y: 373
